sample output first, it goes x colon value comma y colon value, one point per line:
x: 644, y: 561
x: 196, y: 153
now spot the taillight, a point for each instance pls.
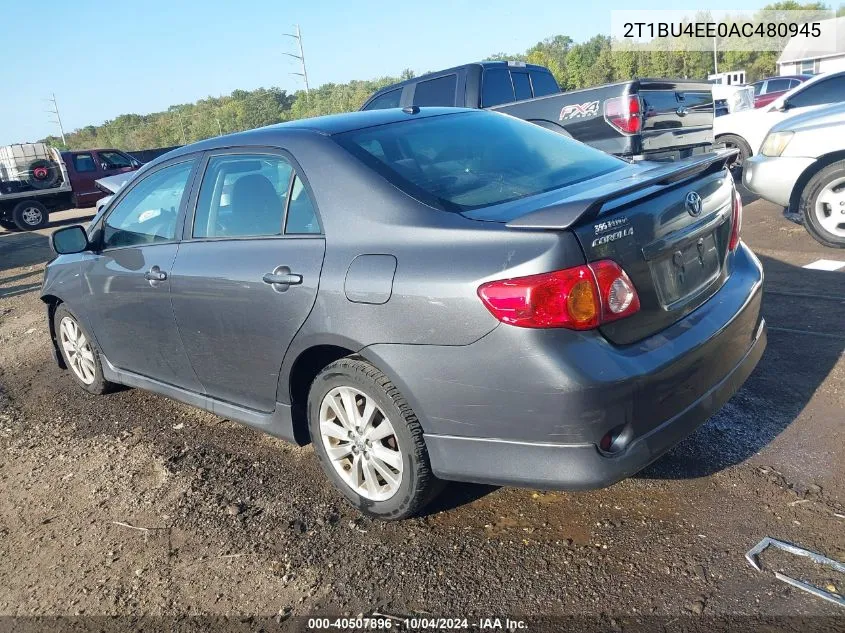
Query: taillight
x: 579, y: 298
x: 623, y: 113
x: 736, y: 221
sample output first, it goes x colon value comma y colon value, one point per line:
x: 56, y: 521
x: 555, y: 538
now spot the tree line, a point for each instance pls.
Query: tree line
x: 574, y: 65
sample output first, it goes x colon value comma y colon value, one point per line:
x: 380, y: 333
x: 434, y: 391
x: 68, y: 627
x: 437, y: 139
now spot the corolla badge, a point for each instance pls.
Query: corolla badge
x: 693, y: 204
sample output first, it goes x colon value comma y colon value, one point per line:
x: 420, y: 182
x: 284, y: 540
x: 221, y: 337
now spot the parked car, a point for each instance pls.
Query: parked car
x: 425, y: 294
x: 36, y: 180
x: 630, y: 119
x: 801, y: 166
x: 729, y: 99
x: 767, y: 90
x: 745, y: 131
x: 87, y: 166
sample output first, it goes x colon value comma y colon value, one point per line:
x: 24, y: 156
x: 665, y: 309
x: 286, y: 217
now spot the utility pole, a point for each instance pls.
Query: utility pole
x: 219, y: 127
x: 301, y: 57
x: 182, y: 125
x: 55, y: 110
x: 715, y: 59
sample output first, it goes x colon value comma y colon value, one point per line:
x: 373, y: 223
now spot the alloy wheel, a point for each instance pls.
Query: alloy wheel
x: 78, y: 350
x: 830, y: 207
x: 32, y: 216
x: 361, y: 443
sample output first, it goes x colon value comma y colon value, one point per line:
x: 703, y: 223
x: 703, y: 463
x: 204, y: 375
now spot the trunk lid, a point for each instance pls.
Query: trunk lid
x: 676, y: 113
x: 668, y: 226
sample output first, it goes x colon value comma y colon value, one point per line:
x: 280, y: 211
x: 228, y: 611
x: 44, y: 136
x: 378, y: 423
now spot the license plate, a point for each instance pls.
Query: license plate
x: 686, y: 271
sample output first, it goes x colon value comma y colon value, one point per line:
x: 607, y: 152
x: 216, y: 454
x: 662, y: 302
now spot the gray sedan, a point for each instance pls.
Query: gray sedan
x: 423, y: 294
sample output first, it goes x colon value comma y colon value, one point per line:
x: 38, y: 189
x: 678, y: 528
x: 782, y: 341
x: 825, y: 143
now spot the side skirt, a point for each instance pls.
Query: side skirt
x: 279, y: 423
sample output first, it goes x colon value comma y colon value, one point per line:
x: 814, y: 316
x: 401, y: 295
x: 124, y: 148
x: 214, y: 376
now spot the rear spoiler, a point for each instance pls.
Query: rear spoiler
x: 563, y: 215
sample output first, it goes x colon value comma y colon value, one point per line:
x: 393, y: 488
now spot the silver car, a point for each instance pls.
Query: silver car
x: 801, y: 166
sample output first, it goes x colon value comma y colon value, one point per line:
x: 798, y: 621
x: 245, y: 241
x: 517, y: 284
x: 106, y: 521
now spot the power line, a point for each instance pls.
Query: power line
x: 58, y: 119
x: 301, y: 57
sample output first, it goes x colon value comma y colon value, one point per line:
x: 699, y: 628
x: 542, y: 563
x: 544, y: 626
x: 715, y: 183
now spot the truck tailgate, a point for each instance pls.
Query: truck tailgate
x: 676, y: 114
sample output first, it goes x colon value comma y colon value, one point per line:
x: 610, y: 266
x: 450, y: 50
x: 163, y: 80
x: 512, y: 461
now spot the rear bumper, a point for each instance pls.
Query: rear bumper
x: 580, y: 467
x: 529, y: 407
x: 773, y: 177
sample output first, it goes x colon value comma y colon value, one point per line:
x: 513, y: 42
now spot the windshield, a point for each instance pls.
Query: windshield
x: 465, y: 161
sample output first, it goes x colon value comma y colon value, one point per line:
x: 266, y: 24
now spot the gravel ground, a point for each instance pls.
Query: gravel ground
x: 132, y: 504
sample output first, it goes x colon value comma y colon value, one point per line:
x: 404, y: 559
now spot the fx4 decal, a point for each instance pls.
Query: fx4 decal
x: 579, y: 110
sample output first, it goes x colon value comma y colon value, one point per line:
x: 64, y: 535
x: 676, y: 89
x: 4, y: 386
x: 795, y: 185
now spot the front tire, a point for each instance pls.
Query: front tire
x: 822, y: 205
x: 369, y: 442
x: 732, y: 141
x: 30, y: 215
x: 80, y: 352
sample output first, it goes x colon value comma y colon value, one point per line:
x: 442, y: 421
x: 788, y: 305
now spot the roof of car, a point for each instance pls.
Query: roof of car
x: 324, y: 125
x: 348, y: 121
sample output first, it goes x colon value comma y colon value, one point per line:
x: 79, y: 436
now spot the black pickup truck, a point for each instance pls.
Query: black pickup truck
x: 654, y: 119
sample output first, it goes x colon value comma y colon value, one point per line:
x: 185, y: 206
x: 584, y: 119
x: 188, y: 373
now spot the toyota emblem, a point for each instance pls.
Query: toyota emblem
x: 693, y: 204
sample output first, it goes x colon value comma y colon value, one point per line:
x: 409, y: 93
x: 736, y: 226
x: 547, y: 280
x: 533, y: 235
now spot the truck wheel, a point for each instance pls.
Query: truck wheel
x: 30, y: 215
x: 369, y: 441
x: 43, y: 174
x: 822, y: 205
x: 731, y: 141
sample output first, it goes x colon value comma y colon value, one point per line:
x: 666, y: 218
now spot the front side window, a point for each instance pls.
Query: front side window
x: 83, y: 163
x: 436, y: 92
x: 777, y: 85
x: 243, y: 195
x: 148, y: 212
x: 496, y: 87
x: 387, y: 100
x: 827, y: 91
x: 758, y: 88
x: 115, y: 160
x: 460, y: 162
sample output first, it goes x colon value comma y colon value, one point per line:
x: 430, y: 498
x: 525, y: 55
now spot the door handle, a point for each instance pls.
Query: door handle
x: 155, y: 274
x: 281, y: 278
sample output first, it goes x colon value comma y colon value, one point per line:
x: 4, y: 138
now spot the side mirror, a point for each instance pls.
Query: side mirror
x: 136, y: 163
x: 783, y: 107
x: 69, y: 240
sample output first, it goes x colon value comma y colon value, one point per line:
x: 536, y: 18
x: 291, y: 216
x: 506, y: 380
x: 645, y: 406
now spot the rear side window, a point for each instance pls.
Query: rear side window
x: 243, y: 196
x: 496, y: 87
x: 543, y: 83
x: 436, y: 92
x: 387, y: 100
x: 828, y: 91
x: 301, y: 217
x: 521, y: 86
x: 461, y: 162
x: 83, y: 163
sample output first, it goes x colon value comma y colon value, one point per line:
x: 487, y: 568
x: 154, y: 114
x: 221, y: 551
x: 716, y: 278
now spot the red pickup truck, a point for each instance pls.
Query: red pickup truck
x: 36, y: 180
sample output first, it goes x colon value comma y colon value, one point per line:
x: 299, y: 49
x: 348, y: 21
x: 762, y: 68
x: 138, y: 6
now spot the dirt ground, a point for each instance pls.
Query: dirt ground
x: 135, y: 505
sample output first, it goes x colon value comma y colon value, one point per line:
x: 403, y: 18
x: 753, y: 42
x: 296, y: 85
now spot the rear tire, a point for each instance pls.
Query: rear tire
x: 375, y: 434
x: 30, y: 215
x: 732, y: 141
x: 822, y: 205
x: 80, y: 352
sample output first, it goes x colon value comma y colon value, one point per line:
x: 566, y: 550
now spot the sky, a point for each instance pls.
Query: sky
x: 103, y: 59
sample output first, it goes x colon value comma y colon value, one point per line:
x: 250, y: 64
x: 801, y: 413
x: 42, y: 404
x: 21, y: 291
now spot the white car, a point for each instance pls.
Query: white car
x: 746, y: 130
x: 801, y: 166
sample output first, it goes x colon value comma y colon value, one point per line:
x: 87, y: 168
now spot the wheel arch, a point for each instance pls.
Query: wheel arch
x: 53, y: 302
x: 808, y: 173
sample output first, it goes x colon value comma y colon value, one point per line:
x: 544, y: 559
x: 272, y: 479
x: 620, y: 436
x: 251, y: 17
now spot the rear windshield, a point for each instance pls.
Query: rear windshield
x: 461, y: 162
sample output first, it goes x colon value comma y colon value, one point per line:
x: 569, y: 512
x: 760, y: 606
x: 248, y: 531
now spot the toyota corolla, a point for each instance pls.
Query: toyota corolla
x: 424, y: 295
